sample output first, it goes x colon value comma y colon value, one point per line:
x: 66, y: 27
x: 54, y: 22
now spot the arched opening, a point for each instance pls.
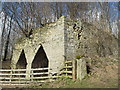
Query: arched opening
x: 21, y: 64
x: 88, y: 68
x: 40, y: 60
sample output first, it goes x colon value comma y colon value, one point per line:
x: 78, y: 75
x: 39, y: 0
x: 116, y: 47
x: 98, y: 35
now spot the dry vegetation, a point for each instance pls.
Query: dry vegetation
x: 104, y: 74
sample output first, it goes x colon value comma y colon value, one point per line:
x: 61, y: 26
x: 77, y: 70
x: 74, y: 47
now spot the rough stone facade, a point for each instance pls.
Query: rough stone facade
x: 65, y: 40
x: 51, y: 37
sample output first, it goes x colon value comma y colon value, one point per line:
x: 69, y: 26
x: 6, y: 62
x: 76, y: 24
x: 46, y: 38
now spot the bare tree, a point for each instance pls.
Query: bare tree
x: 7, y: 41
x: 105, y: 9
x: 3, y: 33
x: 29, y: 15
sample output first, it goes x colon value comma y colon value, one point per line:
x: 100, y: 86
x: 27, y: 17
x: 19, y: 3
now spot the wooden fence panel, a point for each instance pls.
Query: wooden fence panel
x: 18, y: 76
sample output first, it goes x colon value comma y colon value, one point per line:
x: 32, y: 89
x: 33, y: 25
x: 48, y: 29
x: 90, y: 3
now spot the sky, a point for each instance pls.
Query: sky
x: 113, y: 11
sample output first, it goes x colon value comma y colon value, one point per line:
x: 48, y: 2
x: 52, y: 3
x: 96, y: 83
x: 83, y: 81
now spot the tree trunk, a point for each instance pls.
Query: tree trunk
x: 7, y: 42
x: 2, y: 37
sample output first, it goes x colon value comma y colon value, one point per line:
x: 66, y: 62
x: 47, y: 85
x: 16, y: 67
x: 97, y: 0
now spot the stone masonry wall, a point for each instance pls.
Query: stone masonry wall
x: 51, y: 37
x: 72, y: 29
x: 65, y: 40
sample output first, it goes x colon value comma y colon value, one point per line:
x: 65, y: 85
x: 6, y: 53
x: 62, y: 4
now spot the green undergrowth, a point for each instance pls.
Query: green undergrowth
x: 85, y: 83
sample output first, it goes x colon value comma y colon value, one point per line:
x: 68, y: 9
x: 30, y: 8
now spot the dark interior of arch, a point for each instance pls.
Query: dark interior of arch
x: 40, y: 59
x: 21, y: 64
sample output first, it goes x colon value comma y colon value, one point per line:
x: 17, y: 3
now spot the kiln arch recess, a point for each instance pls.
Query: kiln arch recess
x: 40, y: 60
x: 21, y: 64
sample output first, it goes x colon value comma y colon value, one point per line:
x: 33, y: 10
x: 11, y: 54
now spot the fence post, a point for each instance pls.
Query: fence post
x: 10, y: 76
x: 66, y: 69
x: 50, y: 74
x: 28, y: 71
x: 18, y: 76
x: 81, y: 69
x: 32, y: 75
x: 74, y: 65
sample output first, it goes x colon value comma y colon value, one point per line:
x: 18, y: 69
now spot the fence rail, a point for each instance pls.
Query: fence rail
x: 18, y: 76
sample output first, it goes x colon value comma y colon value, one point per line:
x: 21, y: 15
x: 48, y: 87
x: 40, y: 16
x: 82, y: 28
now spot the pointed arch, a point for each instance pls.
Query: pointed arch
x: 40, y: 60
x: 21, y: 61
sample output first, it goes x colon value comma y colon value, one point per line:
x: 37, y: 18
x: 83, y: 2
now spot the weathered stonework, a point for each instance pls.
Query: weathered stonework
x: 51, y: 38
x: 81, y: 69
x: 65, y: 40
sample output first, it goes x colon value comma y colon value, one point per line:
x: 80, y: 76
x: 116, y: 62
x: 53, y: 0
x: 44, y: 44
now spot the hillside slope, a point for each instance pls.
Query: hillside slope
x: 100, y: 50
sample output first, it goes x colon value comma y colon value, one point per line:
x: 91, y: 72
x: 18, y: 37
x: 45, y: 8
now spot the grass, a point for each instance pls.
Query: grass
x: 104, y: 74
x: 86, y: 83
